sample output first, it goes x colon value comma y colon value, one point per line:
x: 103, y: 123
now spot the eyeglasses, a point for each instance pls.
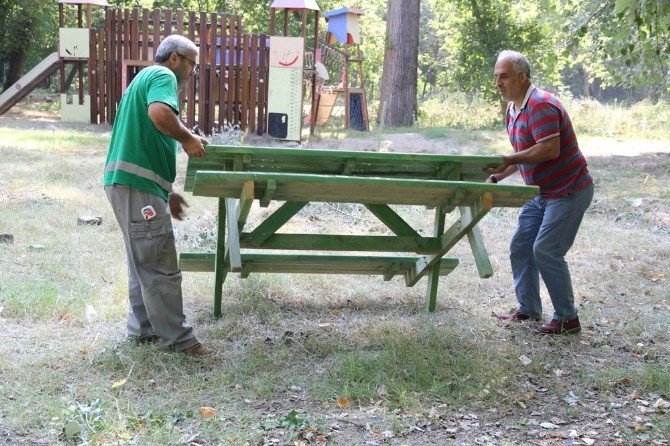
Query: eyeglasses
x: 192, y: 62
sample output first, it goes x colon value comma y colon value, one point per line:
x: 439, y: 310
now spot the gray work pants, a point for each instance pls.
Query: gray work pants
x: 154, y: 278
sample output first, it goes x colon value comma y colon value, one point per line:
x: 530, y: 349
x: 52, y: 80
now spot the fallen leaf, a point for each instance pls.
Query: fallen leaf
x: 320, y: 439
x: 342, y: 402
x: 336, y: 312
x: 521, y: 404
x: 118, y: 384
x: 207, y: 412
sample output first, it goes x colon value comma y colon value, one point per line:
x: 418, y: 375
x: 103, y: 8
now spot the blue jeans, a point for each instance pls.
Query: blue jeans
x: 546, y: 231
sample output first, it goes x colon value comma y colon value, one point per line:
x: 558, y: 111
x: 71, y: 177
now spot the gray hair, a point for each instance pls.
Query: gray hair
x: 519, y: 61
x: 174, y: 44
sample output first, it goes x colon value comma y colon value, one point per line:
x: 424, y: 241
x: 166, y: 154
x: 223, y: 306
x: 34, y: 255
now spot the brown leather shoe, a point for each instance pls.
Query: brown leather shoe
x: 199, y: 350
x: 516, y: 316
x: 561, y: 327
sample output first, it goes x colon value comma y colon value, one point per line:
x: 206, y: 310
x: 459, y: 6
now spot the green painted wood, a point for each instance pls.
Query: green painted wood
x: 336, y: 264
x: 392, y: 269
x: 233, y: 238
x: 269, y: 193
x: 478, y: 248
x: 337, y: 162
x: 246, y: 200
x: 365, y: 190
x: 374, y: 179
x: 457, y: 231
x: 392, y: 220
x: 272, y: 223
x: 434, y: 273
x: 386, y: 266
x: 449, y: 171
x: 221, y: 266
x: 335, y: 242
x: 197, y: 262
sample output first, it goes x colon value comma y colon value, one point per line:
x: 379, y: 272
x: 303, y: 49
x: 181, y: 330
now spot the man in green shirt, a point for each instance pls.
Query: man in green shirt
x: 140, y: 169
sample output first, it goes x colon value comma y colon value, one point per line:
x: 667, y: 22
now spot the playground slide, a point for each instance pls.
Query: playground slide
x: 28, y: 82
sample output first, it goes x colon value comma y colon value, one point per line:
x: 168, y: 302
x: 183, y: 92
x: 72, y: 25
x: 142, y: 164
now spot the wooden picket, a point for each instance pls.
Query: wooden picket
x: 228, y: 89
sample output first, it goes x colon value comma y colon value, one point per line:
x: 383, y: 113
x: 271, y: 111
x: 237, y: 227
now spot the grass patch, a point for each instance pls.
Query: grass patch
x: 410, y: 369
x: 290, y: 343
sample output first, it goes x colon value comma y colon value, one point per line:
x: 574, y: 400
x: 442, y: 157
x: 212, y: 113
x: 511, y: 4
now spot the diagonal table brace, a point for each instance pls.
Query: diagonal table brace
x: 275, y: 221
x: 469, y: 218
x: 392, y: 220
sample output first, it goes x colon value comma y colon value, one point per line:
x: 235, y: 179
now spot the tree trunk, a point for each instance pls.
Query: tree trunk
x: 397, y: 106
x: 17, y: 60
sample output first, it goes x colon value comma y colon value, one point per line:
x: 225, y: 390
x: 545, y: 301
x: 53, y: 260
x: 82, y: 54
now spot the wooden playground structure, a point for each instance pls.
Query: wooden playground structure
x: 231, y: 84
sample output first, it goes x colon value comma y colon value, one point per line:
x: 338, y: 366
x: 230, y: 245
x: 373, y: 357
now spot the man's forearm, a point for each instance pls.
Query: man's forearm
x: 510, y: 170
x: 544, y: 151
x: 168, y: 123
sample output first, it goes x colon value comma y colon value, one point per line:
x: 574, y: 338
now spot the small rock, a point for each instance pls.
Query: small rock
x: 89, y: 220
x: 525, y: 360
x: 7, y: 239
x: 37, y: 247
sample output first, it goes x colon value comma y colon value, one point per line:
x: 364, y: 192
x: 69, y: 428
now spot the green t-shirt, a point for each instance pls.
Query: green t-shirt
x: 137, y: 149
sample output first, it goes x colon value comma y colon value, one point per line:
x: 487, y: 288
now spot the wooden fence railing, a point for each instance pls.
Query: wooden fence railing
x: 230, y: 84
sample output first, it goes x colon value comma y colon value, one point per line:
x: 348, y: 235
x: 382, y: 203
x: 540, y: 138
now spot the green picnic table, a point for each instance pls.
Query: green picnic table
x: 238, y: 175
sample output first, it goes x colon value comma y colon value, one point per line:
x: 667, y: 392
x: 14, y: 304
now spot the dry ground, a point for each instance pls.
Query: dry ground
x: 608, y: 385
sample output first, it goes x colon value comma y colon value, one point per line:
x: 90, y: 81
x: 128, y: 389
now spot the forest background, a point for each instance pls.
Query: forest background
x: 612, y: 51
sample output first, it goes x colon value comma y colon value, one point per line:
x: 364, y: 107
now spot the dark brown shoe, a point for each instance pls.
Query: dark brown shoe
x: 199, y: 350
x: 516, y: 316
x: 561, y: 327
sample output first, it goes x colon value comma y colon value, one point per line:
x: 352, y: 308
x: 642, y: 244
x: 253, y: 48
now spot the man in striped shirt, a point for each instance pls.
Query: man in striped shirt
x: 547, y: 154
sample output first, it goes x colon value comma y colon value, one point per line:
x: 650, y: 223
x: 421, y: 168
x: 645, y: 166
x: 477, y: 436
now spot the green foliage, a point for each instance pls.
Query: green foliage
x: 29, y: 26
x: 291, y: 422
x: 476, y: 31
x: 83, y: 420
x: 459, y: 110
x: 633, y: 36
x: 642, y: 120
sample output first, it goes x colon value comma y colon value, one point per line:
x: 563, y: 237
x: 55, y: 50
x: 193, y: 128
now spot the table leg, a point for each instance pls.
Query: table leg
x: 434, y: 274
x: 221, y: 269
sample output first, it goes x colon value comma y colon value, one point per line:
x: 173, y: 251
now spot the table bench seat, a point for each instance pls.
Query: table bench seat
x: 387, y: 266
